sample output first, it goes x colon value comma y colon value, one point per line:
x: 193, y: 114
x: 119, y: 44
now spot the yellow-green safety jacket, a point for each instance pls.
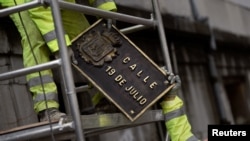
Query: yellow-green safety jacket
x: 38, y: 39
x: 176, y: 121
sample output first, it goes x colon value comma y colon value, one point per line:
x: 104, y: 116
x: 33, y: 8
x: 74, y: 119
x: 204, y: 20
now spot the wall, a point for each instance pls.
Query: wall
x: 225, y: 15
x: 16, y: 107
x: 228, y: 15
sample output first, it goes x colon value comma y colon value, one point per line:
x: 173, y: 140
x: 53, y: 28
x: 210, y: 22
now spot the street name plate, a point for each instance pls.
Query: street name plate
x: 119, y: 69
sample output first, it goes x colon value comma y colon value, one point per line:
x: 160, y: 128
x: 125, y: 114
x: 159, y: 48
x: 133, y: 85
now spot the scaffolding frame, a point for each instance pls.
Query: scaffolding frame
x: 65, y: 65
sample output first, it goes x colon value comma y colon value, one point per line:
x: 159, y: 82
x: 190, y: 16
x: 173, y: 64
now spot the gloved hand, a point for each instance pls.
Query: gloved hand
x: 71, y: 55
x: 172, y: 79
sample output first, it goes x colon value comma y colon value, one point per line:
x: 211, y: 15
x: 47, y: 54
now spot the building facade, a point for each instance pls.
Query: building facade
x: 209, y: 46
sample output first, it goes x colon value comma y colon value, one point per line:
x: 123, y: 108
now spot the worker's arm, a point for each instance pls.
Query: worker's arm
x: 176, y: 121
x: 42, y: 16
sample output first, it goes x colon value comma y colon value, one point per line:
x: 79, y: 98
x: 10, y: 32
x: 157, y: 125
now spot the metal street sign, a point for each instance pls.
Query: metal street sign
x: 119, y: 69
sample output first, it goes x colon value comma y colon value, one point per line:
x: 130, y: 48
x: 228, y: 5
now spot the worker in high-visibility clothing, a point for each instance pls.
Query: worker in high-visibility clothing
x: 176, y: 120
x: 36, y: 28
x: 38, y: 39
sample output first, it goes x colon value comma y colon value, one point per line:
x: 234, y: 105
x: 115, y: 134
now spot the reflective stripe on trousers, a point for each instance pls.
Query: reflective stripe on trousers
x: 39, y: 80
x: 43, y: 88
x: 48, y: 96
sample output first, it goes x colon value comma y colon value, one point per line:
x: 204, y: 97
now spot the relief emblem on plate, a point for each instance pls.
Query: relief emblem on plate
x: 98, y: 47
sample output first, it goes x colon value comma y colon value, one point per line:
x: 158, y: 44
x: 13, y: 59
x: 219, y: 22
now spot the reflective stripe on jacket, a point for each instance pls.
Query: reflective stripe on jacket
x: 176, y: 121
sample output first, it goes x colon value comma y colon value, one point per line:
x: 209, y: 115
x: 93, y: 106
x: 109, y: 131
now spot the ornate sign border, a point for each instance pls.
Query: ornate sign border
x: 119, y: 69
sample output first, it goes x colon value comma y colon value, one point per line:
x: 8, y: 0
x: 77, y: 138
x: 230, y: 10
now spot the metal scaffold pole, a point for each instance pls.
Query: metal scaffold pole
x: 67, y: 72
x: 162, y: 35
x: 165, y: 50
x: 77, y: 124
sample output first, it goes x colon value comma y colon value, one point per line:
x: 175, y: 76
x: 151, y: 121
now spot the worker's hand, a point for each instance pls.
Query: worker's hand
x: 71, y: 55
x: 172, y: 79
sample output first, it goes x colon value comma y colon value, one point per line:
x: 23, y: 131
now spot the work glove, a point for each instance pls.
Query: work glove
x: 172, y: 79
x: 71, y: 55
